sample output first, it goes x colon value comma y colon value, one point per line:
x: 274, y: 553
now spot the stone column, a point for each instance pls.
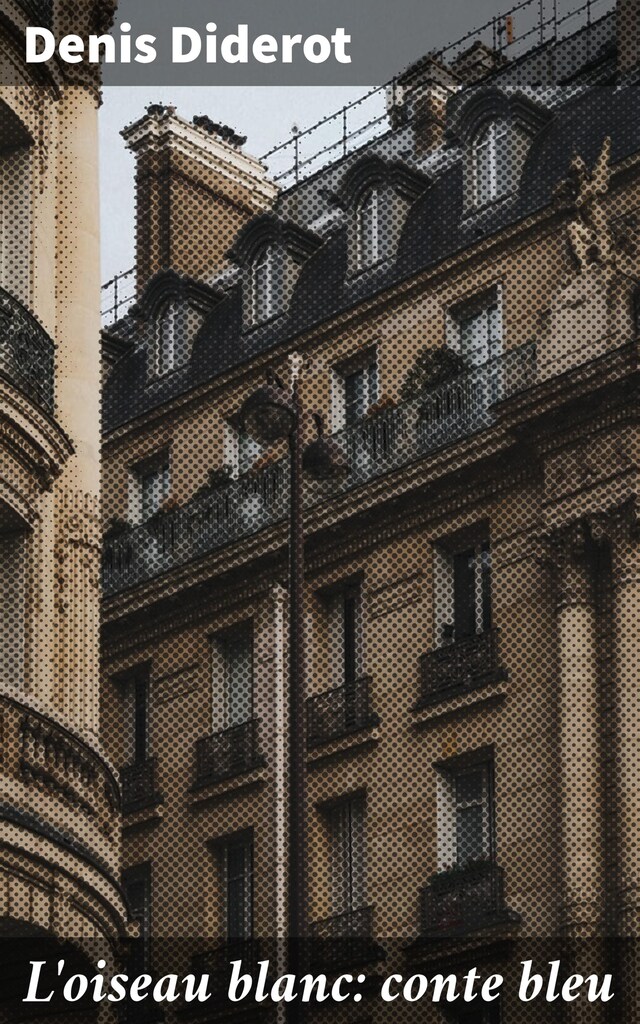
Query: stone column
x: 78, y: 408
x: 580, y: 782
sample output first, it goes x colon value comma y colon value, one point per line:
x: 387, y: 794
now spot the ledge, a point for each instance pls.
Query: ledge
x: 368, y: 736
x: 425, y: 715
x: 212, y: 791
x: 143, y: 817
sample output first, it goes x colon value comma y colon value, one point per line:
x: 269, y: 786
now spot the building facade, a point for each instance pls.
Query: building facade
x: 458, y: 301
x: 60, y: 830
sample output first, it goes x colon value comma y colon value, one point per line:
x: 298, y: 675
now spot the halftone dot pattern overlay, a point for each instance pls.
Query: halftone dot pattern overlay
x: 446, y: 319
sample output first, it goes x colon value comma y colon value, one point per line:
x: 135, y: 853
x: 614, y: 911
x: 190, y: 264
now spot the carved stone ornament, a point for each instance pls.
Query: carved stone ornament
x: 589, y: 232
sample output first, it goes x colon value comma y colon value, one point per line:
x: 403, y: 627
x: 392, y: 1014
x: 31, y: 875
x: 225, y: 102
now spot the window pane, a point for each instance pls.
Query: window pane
x: 470, y: 834
x: 238, y: 649
x: 239, y: 870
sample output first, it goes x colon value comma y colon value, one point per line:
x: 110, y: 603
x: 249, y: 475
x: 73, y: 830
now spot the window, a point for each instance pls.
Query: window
x: 492, y: 171
x: 15, y: 205
x: 467, y: 814
x: 368, y: 249
x: 463, y: 591
x: 136, y: 883
x: 14, y: 548
x: 477, y: 328
x: 172, y: 338
x: 263, y: 287
x: 347, y: 837
x: 232, y: 671
x: 344, y: 634
x: 151, y: 487
x: 356, y: 390
x: 136, y: 696
x: 237, y: 870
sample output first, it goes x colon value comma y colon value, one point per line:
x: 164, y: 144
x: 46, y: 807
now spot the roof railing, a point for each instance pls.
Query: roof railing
x: 364, y: 120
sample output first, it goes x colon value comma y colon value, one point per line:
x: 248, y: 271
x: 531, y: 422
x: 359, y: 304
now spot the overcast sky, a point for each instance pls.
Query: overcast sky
x: 264, y: 114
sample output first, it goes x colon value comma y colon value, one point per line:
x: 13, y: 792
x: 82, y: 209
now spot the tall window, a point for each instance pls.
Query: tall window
x: 15, y: 205
x: 355, y: 390
x: 492, y: 171
x: 263, y: 287
x: 237, y: 869
x: 368, y: 240
x: 136, y: 883
x: 232, y: 670
x: 344, y: 607
x: 135, y: 693
x: 463, y: 591
x: 151, y: 486
x: 171, y: 341
x: 467, y: 814
x: 477, y: 327
x: 348, y: 855
x: 13, y: 602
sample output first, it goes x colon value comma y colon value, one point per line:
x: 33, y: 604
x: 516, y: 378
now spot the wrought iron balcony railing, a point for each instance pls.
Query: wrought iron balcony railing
x: 228, y: 753
x: 26, y: 352
x: 382, y: 442
x: 464, y: 900
x: 139, y: 786
x: 460, y: 667
x: 345, y: 938
x: 339, y: 712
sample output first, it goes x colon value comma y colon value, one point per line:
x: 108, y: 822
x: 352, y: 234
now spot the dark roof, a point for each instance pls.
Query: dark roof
x: 571, y: 120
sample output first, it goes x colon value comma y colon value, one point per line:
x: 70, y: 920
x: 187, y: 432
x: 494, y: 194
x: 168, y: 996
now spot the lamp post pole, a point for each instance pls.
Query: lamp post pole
x: 270, y: 414
x: 297, y: 866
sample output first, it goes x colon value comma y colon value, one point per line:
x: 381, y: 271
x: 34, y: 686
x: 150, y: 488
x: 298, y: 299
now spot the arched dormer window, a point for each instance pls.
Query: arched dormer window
x: 263, y: 287
x: 368, y: 235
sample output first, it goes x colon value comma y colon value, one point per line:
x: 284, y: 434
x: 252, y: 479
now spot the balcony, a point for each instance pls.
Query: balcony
x: 26, y: 352
x: 460, y: 667
x: 464, y: 900
x: 340, y: 712
x: 382, y: 442
x: 139, y: 786
x: 345, y: 939
x: 227, y: 754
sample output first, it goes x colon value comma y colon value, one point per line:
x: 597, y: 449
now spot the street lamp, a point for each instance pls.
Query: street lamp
x: 270, y: 414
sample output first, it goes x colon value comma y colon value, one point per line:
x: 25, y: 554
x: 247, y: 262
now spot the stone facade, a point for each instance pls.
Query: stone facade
x: 60, y: 833
x: 471, y: 611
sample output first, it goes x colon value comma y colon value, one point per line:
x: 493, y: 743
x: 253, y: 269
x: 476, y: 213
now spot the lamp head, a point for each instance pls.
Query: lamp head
x: 268, y: 415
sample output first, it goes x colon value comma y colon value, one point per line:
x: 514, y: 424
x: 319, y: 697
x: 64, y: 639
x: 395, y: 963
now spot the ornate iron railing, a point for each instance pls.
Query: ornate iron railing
x: 343, y: 939
x: 26, y: 352
x: 460, y: 667
x: 139, y: 785
x: 463, y: 900
x: 339, y: 712
x: 382, y: 442
x: 228, y: 753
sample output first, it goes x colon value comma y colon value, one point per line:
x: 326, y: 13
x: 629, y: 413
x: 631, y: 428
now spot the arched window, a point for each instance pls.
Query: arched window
x: 368, y: 249
x: 263, y: 287
x: 492, y: 164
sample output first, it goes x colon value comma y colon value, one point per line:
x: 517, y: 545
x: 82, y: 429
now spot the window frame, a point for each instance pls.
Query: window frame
x: 220, y: 679
x: 246, y: 840
x: 450, y: 772
x: 157, y: 465
x: 348, y: 891
x: 368, y: 251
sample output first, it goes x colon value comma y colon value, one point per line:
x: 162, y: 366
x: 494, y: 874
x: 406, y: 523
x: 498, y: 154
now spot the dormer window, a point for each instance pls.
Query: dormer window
x: 263, y: 287
x: 368, y: 249
x: 171, y: 338
x: 492, y: 172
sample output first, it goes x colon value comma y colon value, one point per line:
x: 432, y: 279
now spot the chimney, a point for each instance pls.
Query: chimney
x: 477, y: 63
x: 628, y: 34
x: 195, y: 188
x: 419, y: 97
